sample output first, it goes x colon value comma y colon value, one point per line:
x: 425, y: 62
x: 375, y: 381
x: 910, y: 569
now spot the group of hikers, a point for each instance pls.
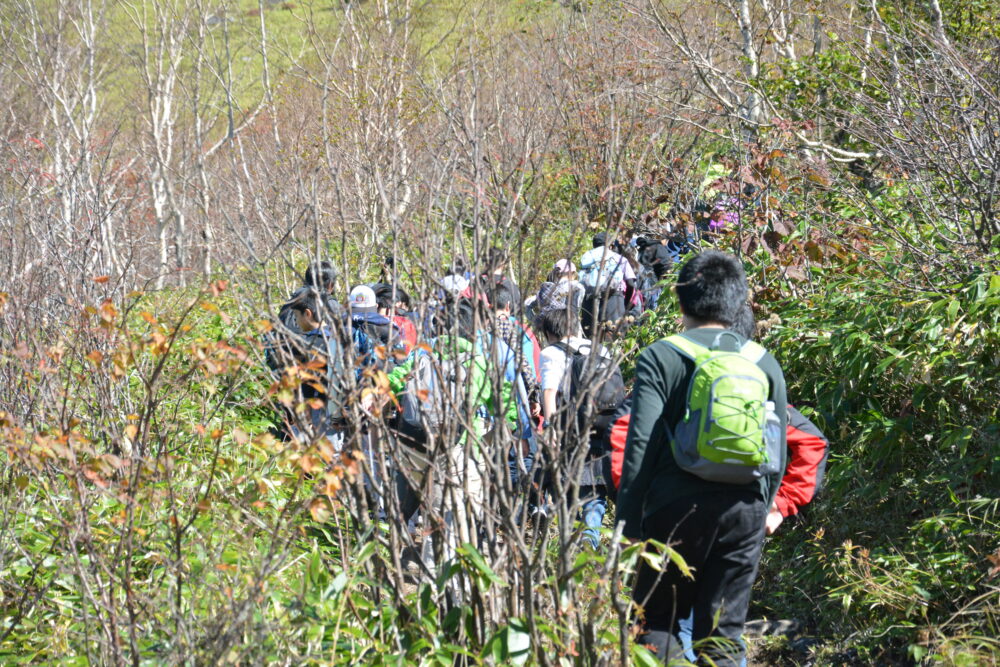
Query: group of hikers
x: 700, y: 450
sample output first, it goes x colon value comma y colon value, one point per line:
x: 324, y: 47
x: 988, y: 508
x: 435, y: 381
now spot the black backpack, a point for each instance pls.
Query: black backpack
x: 597, y: 388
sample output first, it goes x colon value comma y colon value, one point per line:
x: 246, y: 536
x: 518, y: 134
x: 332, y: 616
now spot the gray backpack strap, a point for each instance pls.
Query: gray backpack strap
x: 722, y: 335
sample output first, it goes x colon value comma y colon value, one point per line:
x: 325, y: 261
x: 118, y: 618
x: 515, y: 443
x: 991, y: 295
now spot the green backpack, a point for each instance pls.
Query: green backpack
x: 722, y: 435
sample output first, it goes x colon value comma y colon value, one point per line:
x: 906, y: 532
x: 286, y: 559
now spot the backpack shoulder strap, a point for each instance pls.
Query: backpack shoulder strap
x: 753, y: 351
x: 564, y: 348
x: 685, y: 346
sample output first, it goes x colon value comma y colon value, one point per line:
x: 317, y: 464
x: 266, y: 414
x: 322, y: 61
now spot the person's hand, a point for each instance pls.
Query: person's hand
x: 773, y: 520
x: 368, y: 401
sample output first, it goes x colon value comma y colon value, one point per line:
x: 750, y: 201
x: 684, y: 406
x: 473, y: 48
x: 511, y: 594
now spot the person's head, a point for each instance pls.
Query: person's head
x: 745, y: 324
x: 711, y: 288
x: 461, y: 317
x: 601, y: 238
x: 363, y: 300
x: 402, y: 300
x: 457, y: 267
x: 388, y: 271
x: 496, y: 261
x: 502, y: 299
x: 558, y: 323
x: 565, y: 268
x: 383, y: 298
x: 307, y: 311
x: 321, y: 275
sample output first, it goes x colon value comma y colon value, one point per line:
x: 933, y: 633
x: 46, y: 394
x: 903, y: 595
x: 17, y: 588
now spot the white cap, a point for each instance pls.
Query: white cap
x: 363, y: 299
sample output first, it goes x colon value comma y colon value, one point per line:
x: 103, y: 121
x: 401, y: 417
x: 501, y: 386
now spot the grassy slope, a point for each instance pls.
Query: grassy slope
x: 299, y: 35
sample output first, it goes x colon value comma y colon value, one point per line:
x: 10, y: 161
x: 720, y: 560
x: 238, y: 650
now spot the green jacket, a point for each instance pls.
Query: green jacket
x: 483, y: 390
x: 651, y: 479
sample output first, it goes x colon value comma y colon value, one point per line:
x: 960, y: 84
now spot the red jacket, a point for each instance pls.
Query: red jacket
x: 807, y: 452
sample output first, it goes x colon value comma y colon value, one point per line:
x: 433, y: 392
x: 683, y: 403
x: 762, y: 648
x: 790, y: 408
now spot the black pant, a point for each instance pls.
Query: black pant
x: 719, y: 536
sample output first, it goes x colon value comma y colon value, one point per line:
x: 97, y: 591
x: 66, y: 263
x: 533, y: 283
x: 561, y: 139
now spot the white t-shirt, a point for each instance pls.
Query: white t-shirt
x: 555, y: 362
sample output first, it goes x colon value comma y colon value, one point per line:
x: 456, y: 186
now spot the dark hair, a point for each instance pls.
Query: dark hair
x: 402, y: 297
x: 600, y: 239
x: 307, y: 300
x: 557, y: 323
x: 386, y: 297
x: 495, y: 259
x: 502, y: 297
x: 459, y: 319
x: 712, y: 287
x: 745, y: 324
x: 321, y: 275
x: 383, y: 295
x: 457, y: 267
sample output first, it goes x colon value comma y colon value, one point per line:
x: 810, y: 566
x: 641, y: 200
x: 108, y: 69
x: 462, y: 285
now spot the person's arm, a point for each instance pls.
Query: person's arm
x: 807, y: 452
x: 553, y: 363
x: 647, y: 435
x: 549, y: 403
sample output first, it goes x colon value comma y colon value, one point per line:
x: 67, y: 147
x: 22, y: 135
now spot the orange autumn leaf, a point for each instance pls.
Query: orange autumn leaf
x: 320, y: 509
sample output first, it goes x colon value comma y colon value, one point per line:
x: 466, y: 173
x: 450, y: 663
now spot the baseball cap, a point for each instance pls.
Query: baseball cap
x: 363, y: 299
x: 565, y: 266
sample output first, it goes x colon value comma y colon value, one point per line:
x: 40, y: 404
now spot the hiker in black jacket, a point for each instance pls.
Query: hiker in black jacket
x: 717, y: 527
x: 656, y: 262
x: 320, y: 278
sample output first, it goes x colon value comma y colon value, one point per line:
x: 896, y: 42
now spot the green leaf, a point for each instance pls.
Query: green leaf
x: 678, y: 560
x: 470, y: 554
x: 641, y: 656
x: 653, y: 560
x: 952, y: 310
x: 518, y: 642
x: 917, y: 652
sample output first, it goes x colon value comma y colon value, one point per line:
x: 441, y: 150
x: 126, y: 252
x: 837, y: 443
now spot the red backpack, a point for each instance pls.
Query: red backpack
x: 407, y: 331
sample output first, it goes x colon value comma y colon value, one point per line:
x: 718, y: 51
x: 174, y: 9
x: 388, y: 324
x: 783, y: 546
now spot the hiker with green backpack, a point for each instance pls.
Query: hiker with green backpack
x: 448, y: 401
x: 703, y: 460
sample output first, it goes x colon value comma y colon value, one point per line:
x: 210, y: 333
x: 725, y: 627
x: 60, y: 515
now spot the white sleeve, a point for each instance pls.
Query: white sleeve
x: 553, y: 362
x: 627, y: 271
